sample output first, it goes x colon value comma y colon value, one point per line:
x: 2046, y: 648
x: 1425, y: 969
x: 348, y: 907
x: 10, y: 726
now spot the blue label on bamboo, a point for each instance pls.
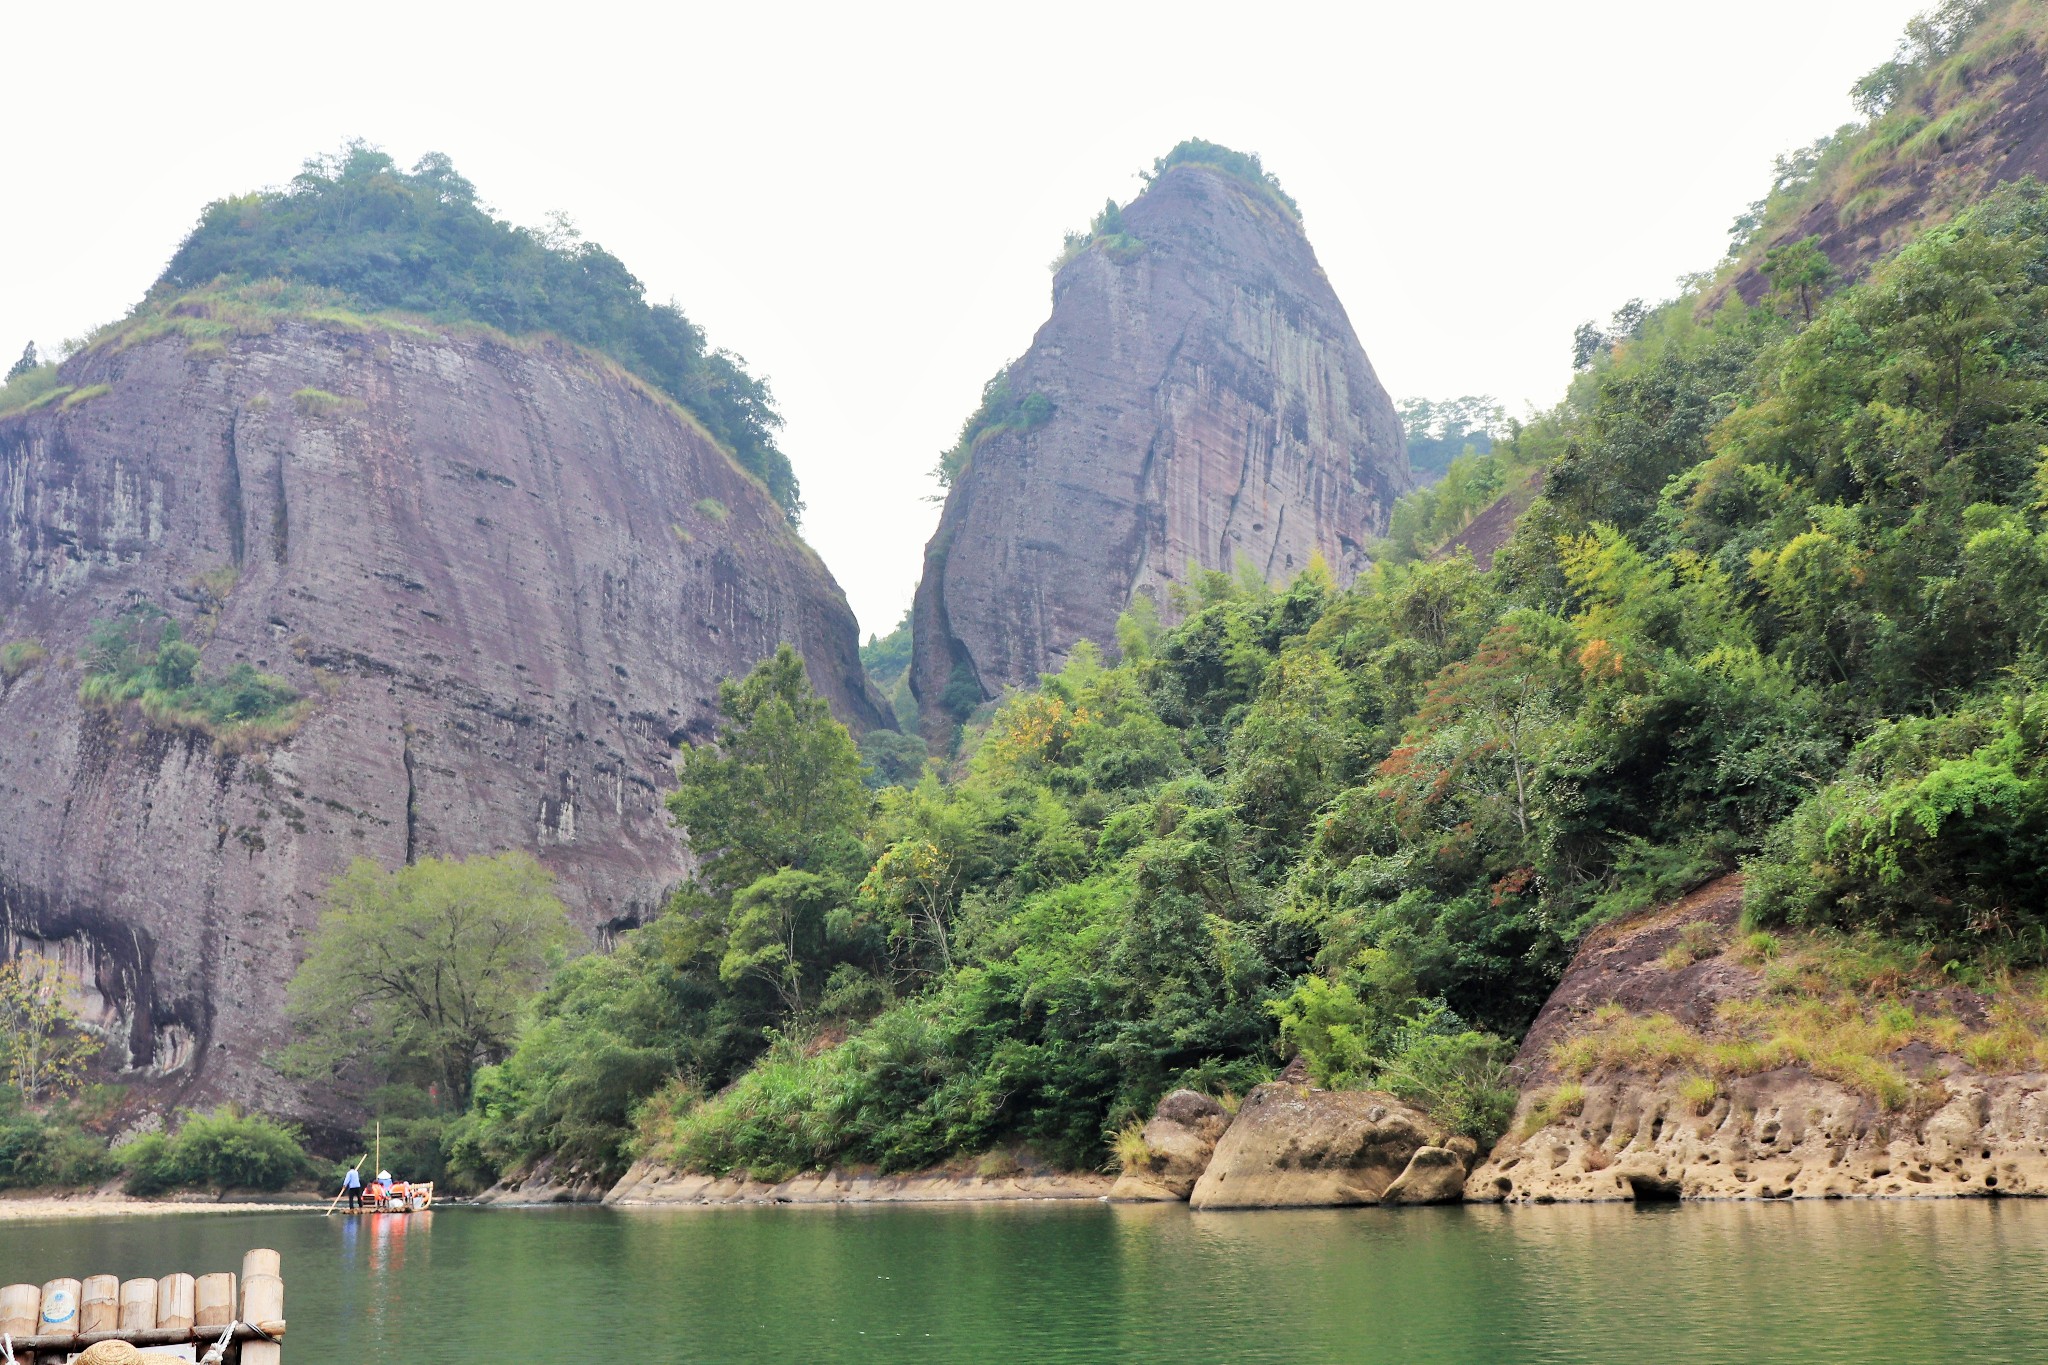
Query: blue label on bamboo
x: 59, y: 1308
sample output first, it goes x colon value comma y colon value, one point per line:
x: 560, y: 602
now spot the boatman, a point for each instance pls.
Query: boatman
x: 352, y: 1186
x: 383, y: 1188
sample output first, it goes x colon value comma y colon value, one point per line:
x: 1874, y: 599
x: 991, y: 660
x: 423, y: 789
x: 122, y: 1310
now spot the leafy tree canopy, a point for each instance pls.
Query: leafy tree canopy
x: 424, y: 971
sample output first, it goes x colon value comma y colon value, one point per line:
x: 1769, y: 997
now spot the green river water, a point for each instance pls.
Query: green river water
x: 1698, y: 1283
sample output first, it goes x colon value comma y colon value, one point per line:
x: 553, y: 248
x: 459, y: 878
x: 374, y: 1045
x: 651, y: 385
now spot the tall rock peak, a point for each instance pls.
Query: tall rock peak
x: 1197, y: 400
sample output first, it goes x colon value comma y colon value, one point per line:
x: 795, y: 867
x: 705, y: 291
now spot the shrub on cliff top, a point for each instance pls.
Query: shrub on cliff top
x: 1245, y: 167
x: 420, y: 242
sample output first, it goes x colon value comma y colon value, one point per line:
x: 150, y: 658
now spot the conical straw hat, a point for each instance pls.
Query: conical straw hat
x: 112, y: 1353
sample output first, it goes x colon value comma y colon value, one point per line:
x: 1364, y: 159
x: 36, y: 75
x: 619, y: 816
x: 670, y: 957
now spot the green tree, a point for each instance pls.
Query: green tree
x: 28, y: 361
x: 427, y: 967
x: 780, y: 789
x: 42, y: 1043
x: 1800, y: 273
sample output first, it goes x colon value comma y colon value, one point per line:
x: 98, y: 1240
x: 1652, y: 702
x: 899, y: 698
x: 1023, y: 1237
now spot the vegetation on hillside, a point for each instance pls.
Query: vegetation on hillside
x: 1105, y: 233
x: 894, y: 757
x: 420, y: 242
x: 1935, y: 95
x: 1002, y: 409
x: 1439, y: 432
x: 141, y: 657
x: 1780, y: 607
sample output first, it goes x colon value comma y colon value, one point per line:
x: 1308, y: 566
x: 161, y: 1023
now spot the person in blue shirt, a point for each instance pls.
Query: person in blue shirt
x: 352, y: 1186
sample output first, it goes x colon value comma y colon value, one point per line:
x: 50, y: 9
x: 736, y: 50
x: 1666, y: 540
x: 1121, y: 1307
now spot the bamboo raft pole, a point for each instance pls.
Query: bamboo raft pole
x: 41, y: 1324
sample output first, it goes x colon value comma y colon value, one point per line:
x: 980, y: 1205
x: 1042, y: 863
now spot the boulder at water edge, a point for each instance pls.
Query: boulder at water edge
x: 1179, y: 1140
x: 1292, y: 1146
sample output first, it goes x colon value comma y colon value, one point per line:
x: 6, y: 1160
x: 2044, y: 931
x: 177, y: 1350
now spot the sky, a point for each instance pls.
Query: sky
x: 862, y: 199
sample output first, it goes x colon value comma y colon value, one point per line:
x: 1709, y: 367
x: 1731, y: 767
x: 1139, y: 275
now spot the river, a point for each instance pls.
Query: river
x: 1754, y: 1283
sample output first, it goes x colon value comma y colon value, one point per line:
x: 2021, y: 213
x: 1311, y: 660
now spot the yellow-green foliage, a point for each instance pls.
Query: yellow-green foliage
x: 711, y: 509
x: 1840, y: 1006
x: 1700, y: 1092
x: 1128, y: 1150
x: 1949, y: 131
x: 85, y: 395
x: 1563, y: 1102
x: 19, y: 656
x: 320, y: 403
x: 32, y: 389
x: 1695, y: 941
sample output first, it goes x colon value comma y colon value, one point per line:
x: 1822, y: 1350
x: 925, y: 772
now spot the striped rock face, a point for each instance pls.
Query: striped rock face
x: 1202, y: 403
x: 505, y: 579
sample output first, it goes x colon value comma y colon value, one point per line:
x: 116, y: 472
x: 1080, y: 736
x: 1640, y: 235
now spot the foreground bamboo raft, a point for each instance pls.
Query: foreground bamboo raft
x: 50, y: 1323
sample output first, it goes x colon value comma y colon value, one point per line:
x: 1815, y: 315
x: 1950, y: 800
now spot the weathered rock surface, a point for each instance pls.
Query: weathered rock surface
x: 1434, y: 1175
x: 1210, y: 405
x: 1180, y: 1137
x: 546, y: 1183
x: 1291, y: 1146
x: 651, y: 1183
x: 1785, y: 1133
x: 509, y: 578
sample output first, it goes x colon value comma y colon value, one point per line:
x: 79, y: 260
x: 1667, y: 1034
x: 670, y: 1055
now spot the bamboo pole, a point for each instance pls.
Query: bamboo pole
x: 99, y: 1306
x: 138, y: 1305
x: 213, y: 1300
x: 19, y: 1305
x: 262, y: 1301
x: 174, y: 1307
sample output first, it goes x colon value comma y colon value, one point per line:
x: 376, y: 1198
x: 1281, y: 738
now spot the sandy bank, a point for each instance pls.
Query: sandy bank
x: 111, y: 1204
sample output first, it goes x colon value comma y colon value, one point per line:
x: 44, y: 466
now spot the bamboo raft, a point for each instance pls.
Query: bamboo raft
x: 415, y: 1199
x: 48, y: 1324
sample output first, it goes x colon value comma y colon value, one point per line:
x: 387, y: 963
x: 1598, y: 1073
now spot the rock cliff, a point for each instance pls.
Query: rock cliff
x: 507, y: 577
x: 1197, y: 400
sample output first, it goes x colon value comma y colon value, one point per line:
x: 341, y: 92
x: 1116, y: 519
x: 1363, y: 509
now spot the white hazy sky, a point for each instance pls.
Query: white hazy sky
x: 861, y: 199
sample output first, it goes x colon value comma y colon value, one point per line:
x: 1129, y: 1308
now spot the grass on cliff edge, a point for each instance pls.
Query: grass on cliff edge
x: 1840, y: 1005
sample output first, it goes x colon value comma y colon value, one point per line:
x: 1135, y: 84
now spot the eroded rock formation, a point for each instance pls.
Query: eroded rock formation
x: 1292, y: 1146
x: 1204, y: 402
x: 508, y: 578
x: 1643, y: 1134
x: 1179, y: 1138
